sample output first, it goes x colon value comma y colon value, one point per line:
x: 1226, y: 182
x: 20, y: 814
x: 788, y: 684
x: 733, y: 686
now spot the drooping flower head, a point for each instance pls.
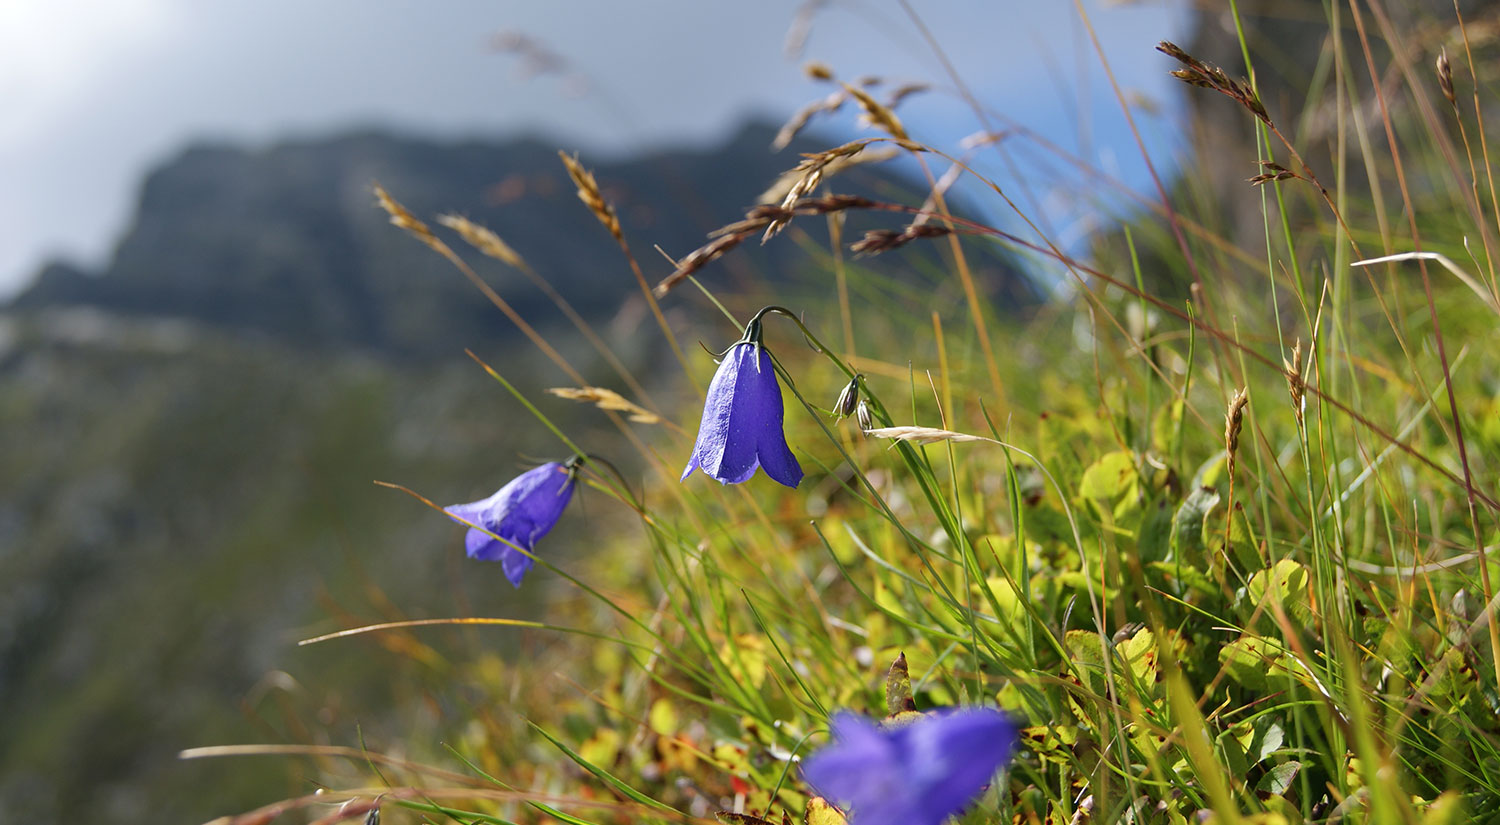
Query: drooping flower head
x: 519, y: 513
x: 742, y: 416
x: 848, y: 397
x: 916, y: 774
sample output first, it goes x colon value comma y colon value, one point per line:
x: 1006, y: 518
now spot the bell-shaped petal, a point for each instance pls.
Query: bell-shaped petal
x: 520, y: 513
x: 742, y: 422
x: 917, y: 774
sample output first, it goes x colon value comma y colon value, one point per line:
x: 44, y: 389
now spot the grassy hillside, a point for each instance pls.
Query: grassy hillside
x: 190, y: 501
x: 1214, y: 529
x: 1222, y: 556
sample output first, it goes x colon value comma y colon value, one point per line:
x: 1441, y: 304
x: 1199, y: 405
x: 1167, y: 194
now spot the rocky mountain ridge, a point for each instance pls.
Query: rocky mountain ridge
x: 286, y: 240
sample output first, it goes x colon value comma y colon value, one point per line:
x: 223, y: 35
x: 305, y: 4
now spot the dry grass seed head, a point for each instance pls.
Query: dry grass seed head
x: 922, y: 435
x: 809, y: 173
x: 1295, y: 382
x: 1445, y: 78
x: 606, y: 399
x: 877, y: 241
x: 1198, y: 73
x: 1234, y: 420
x: 778, y: 191
x: 756, y: 220
x: 1272, y: 171
x: 483, y: 239
x: 588, y: 192
x: 877, y: 113
x: 403, y: 218
x: 817, y: 70
x: 793, y: 127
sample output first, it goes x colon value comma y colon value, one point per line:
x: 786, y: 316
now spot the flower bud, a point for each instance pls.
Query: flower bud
x: 848, y: 397
x: 862, y: 415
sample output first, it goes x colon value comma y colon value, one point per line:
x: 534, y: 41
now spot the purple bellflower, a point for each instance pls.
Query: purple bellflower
x: 915, y: 774
x: 520, y: 513
x: 742, y: 416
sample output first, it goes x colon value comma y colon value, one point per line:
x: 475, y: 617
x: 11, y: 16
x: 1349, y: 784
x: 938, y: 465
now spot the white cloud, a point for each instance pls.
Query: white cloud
x: 53, y: 51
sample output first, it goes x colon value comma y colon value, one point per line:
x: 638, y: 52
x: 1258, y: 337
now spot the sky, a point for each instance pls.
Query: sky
x: 97, y: 92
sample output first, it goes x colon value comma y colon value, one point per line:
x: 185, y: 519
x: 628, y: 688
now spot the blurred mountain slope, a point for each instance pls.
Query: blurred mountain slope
x: 190, y: 435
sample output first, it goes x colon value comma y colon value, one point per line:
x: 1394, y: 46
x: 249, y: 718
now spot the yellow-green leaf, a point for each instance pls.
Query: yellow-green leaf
x: 819, y: 812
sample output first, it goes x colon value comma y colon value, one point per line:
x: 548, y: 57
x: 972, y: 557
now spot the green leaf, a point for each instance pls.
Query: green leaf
x: 1108, y: 478
x: 1278, y: 779
x: 1139, y: 653
x: 1164, y: 426
x: 1250, y: 660
x: 1187, y: 524
x: 1210, y: 471
x: 1189, y: 575
x: 1232, y: 744
x: 1087, y: 654
x: 1155, y: 533
x: 1270, y: 741
x: 1285, y: 582
x: 1113, y: 480
x: 1241, y: 538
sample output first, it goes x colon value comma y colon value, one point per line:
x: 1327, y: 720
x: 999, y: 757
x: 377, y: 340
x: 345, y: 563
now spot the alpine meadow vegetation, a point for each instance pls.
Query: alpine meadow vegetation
x: 1204, y: 537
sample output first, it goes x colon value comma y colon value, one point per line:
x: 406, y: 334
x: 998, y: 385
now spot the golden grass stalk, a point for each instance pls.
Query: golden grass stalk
x: 403, y: 218
x: 778, y: 191
x: 483, y: 239
x: 924, y: 435
x: 805, y: 177
x: 878, y: 114
x: 606, y: 399
x: 593, y: 198
x: 1234, y: 420
x: 756, y: 220
x: 588, y: 192
x: 488, y: 243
